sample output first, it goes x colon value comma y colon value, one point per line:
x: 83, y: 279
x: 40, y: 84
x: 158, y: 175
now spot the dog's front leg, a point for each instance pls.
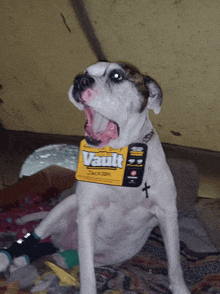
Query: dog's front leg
x: 86, y: 230
x: 170, y: 232
x: 55, y: 220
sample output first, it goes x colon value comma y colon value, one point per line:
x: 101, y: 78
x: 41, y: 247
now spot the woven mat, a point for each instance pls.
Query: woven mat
x: 147, y: 271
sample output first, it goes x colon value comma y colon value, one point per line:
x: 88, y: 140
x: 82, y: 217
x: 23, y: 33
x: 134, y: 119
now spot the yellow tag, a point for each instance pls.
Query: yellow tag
x: 118, y: 167
x: 104, y: 166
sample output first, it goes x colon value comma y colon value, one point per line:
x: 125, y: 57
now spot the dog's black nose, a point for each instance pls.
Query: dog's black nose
x: 82, y: 82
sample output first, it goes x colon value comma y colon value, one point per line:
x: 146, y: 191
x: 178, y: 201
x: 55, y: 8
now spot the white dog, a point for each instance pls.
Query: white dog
x: 109, y: 224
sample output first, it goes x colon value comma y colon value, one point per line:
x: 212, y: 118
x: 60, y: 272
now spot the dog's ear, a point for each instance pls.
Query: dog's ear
x: 155, y: 95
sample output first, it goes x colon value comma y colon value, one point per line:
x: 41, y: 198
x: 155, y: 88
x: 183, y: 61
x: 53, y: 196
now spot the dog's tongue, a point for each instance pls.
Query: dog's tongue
x: 99, y: 128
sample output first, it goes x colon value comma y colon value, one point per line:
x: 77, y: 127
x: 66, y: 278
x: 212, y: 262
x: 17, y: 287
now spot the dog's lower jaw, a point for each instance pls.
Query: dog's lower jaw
x: 92, y: 142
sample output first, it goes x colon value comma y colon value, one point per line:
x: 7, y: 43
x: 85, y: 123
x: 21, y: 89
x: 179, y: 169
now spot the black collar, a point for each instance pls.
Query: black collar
x: 148, y: 137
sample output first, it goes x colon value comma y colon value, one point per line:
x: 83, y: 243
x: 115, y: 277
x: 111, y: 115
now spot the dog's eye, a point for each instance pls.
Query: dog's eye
x: 116, y: 76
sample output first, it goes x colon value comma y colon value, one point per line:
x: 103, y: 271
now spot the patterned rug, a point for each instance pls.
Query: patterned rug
x: 146, y: 272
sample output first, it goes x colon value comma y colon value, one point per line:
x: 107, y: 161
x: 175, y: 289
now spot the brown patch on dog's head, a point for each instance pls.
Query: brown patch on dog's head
x: 138, y: 79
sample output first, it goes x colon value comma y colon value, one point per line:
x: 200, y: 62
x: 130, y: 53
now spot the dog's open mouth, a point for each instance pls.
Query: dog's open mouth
x: 98, y: 129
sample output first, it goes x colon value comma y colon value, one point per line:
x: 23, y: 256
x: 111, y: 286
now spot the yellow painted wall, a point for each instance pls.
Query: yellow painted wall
x: 175, y: 41
x: 39, y: 59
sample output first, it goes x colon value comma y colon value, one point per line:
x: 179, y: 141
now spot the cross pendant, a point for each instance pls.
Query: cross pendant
x: 145, y: 189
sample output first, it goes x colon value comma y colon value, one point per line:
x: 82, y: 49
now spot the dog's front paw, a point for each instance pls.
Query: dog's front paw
x: 179, y: 289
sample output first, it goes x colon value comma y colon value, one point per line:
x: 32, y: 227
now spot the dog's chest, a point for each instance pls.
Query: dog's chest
x: 122, y: 230
x: 123, y: 219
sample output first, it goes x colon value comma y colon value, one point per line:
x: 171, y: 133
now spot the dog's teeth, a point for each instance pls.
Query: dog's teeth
x: 99, y: 123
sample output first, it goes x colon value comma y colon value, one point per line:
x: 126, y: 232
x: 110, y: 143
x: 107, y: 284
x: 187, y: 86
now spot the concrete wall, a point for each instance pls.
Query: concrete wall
x: 174, y: 41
